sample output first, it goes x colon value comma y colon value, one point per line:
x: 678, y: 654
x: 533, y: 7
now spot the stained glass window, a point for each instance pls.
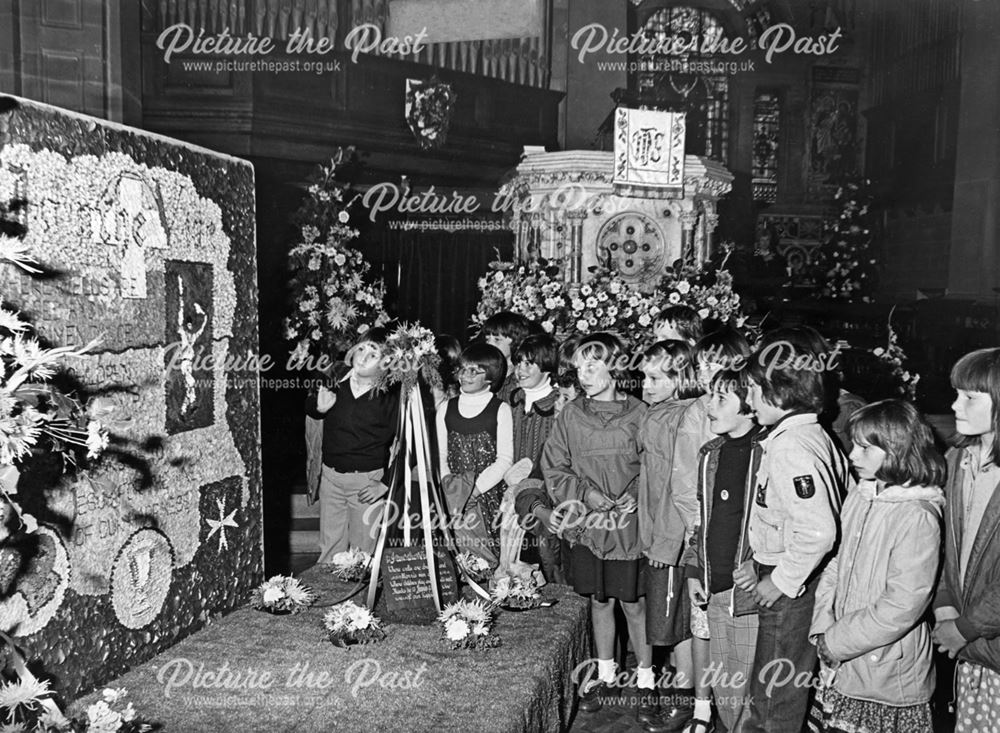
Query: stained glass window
x: 766, y: 129
x: 685, y: 77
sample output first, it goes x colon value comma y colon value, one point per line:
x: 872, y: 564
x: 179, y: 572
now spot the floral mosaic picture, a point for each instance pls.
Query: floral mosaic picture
x: 141, y: 241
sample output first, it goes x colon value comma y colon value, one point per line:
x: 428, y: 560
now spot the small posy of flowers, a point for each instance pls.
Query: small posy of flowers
x: 467, y: 624
x: 407, y: 353
x: 516, y: 592
x: 352, y: 564
x: 27, y: 707
x: 893, y: 357
x: 473, y: 565
x: 334, y: 299
x: 282, y: 594
x: 348, y: 623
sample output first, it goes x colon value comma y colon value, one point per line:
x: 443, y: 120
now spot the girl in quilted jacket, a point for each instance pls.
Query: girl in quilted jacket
x: 967, y: 605
x: 868, y: 622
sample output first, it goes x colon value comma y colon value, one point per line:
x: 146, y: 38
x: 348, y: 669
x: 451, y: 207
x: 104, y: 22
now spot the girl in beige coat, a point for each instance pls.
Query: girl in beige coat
x: 868, y: 622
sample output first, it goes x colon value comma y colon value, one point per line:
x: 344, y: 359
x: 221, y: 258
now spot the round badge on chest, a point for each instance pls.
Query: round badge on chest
x: 724, y: 495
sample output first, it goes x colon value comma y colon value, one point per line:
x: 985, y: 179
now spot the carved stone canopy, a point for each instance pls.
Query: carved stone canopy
x: 565, y: 205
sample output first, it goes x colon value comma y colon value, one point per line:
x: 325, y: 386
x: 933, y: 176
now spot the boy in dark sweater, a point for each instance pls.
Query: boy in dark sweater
x: 720, y: 544
x: 359, y: 426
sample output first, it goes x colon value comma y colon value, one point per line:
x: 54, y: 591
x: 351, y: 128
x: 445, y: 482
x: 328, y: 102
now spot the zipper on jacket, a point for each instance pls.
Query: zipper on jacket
x: 756, y: 453
x: 704, y: 528
x: 854, y: 555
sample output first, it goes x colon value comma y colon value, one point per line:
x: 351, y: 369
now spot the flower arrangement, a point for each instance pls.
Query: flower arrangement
x: 892, y: 357
x: 473, y: 565
x: 282, y: 594
x: 352, y: 564
x: 409, y: 351
x: 428, y: 111
x: 606, y: 302
x: 348, y: 623
x: 516, y: 592
x: 333, y: 300
x: 466, y: 625
x: 846, y: 263
x: 28, y: 707
x: 707, y: 288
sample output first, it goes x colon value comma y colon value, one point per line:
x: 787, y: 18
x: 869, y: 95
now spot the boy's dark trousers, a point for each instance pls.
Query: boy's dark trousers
x: 784, y: 664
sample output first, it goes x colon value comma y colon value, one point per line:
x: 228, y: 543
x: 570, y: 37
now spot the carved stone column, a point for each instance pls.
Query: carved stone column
x: 689, y: 220
x: 575, y: 265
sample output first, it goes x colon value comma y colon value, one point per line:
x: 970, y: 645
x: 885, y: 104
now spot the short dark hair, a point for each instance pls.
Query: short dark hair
x: 567, y: 369
x: 539, y: 349
x: 508, y: 324
x: 733, y: 381
x: 450, y: 350
x: 896, y: 427
x: 979, y: 371
x: 676, y: 360
x: 490, y: 359
x: 683, y: 318
x: 726, y: 346
x: 607, y: 347
x: 787, y: 383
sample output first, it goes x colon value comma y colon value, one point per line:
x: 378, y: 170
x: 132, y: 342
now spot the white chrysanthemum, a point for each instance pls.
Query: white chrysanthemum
x: 644, y: 320
x: 582, y: 325
x: 683, y: 287
x: 548, y: 326
x: 298, y: 593
x: 456, y: 629
x: 674, y: 297
x: 22, y: 695
x: 343, y: 217
x: 102, y: 719
x: 704, y: 313
x: 273, y: 594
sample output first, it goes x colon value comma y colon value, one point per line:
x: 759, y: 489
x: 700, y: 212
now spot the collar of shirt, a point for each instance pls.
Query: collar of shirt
x: 357, y: 389
x: 791, y: 420
x: 531, y: 396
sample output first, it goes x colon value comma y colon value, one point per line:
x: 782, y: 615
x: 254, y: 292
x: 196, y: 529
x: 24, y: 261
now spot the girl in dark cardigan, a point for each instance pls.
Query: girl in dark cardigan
x: 967, y: 604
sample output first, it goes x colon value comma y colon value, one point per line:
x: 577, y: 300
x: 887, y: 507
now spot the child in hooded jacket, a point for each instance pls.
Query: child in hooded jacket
x: 871, y: 599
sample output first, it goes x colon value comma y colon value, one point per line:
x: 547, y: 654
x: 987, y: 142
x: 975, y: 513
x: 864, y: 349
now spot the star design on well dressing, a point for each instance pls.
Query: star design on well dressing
x: 219, y: 525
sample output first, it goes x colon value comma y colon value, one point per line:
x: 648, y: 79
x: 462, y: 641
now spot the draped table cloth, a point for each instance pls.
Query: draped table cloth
x: 253, y: 671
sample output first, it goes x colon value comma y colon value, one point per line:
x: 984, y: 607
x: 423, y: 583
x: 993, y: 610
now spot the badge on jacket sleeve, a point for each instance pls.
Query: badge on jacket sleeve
x: 804, y: 486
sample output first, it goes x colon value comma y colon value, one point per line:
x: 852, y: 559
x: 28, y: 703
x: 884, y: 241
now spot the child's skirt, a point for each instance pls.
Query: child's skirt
x: 842, y: 714
x: 605, y: 579
x: 977, y: 705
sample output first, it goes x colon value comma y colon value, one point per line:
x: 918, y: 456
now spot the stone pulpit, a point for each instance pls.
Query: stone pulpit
x: 565, y: 206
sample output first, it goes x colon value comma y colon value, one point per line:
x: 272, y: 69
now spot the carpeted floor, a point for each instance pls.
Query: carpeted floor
x: 252, y: 671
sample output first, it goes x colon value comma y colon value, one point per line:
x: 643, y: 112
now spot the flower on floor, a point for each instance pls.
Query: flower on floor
x: 467, y: 624
x: 351, y: 565
x: 473, y: 565
x: 282, y: 594
x: 348, y: 623
x: 518, y: 587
